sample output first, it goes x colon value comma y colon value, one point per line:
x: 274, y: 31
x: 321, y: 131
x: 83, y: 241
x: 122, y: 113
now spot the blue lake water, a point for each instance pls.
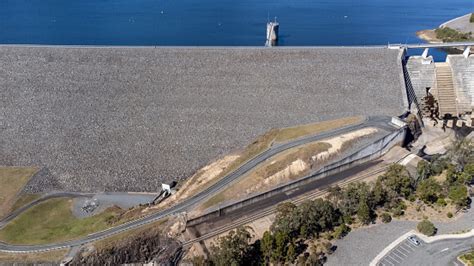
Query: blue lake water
x: 221, y: 22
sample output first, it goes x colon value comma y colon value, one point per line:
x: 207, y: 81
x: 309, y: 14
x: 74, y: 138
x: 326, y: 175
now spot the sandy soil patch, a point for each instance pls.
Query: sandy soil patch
x: 429, y: 36
x: 418, y: 211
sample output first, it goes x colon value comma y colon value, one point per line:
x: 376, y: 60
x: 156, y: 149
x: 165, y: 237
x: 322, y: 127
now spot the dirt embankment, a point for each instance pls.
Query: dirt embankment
x: 146, y: 246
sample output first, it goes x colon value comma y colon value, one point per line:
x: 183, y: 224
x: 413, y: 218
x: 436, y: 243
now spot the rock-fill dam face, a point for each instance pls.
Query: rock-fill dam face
x: 127, y: 119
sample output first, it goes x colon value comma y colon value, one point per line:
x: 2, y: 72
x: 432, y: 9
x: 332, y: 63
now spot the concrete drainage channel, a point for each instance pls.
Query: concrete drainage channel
x: 364, y: 155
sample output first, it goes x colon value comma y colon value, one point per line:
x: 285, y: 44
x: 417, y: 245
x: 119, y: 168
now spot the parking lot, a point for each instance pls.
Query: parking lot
x: 398, y: 255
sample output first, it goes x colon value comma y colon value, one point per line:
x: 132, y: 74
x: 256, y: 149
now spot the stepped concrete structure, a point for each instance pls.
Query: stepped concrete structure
x: 445, y: 92
x: 129, y: 119
x: 451, y: 82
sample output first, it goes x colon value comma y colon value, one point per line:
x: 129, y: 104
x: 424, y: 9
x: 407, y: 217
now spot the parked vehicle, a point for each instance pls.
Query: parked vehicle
x: 413, y: 240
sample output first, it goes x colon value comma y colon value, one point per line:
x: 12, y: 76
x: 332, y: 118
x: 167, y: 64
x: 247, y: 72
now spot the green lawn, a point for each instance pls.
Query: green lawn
x: 53, y: 221
x: 24, y: 199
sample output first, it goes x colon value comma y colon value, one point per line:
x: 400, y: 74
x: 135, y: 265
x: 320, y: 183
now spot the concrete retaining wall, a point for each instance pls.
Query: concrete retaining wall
x: 463, y: 78
x: 366, y: 154
x: 422, y: 74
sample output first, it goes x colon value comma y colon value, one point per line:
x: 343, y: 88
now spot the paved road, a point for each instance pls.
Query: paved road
x: 382, y: 122
x: 434, y: 45
x: 442, y: 252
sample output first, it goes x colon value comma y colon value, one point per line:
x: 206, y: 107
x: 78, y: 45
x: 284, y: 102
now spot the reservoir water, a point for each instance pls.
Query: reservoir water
x: 221, y: 22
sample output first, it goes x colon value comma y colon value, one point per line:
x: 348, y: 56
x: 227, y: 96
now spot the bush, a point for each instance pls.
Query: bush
x: 341, y: 231
x: 441, y: 202
x: 471, y: 19
x: 426, y: 227
x: 449, y: 214
x: 428, y: 190
x: 386, y: 218
x: 458, y: 194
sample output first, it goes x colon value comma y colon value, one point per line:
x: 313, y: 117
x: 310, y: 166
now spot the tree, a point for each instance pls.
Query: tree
x: 461, y: 152
x: 232, y: 248
x: 423, y: 170
x: 335, y: 194
x: 287, y: 219
x: 353, y: 194
x: 458, y: 194
x: 379, y: 193
x: 291, y: 253
x: 364, y: 213
x: 428, y: 190
x: 426, y: 227
x: 267, y: 245
x: 397, y: 180
x: 281, y: 241
x: 341, y: 231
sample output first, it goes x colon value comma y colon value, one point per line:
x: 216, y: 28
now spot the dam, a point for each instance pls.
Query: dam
x: 128, y: 119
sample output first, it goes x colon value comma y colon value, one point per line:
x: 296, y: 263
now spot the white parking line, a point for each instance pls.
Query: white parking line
x: 403, y: 254
x: 385, y: 259
x: 397, y: 255
x: 393, y: 259
x: 408, y: 246
x: 404, y: 249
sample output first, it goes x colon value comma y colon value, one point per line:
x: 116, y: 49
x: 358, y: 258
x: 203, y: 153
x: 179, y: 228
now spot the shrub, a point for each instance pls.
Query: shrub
x: 471, y: 19
x: 449, y: 214
x: 386, y: 218
x: 426, y: 227
x: 458, y: 194
x: 398, y: 212
x: 341, y: 231
x: 441, y: 202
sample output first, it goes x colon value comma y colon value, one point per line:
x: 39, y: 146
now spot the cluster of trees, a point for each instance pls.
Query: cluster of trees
x: 459, y: 166
x: 451, y: 35
x: 293, y: 225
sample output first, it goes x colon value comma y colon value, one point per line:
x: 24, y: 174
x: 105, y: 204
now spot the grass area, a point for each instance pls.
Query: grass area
x: 24, y: 199
x: 290, y: 133
x: 272, y: 166
x: 12, y: 180
x: 54, y: 256
x: 451, y: 35
x: 468, y: 258
x: 53, y: 221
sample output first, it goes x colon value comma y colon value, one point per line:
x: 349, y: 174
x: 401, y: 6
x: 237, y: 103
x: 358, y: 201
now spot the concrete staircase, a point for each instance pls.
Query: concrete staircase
x: 445, y: 90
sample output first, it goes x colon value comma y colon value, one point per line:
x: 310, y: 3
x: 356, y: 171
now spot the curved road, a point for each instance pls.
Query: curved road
x: 382, y: 122
x: 46, y: 197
